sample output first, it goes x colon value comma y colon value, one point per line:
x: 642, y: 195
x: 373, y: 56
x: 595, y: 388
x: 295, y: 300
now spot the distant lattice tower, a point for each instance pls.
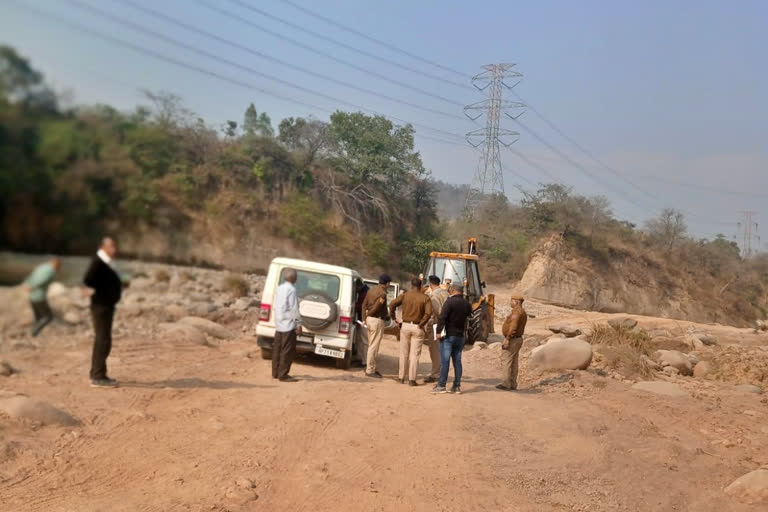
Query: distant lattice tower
x: 489, y: 179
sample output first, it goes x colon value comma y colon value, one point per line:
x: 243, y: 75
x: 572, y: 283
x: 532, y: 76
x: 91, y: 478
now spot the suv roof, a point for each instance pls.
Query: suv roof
x: 313, y: 265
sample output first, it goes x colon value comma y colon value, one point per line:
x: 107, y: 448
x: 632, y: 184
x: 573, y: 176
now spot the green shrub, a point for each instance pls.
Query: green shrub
x: 377, y: 250
x: 303, y: 221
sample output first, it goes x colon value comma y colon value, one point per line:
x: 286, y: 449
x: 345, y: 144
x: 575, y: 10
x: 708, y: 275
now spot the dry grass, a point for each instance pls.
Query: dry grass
x: 162, y: 276
x: 625, y: 350
x: 236, y: 285
x: 186, y: 275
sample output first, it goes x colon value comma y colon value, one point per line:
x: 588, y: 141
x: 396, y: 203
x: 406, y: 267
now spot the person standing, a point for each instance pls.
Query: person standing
x: 417, y: 311
x: 438, y: 296
x: 453, y: 318
x: 375, y: 318
x: 106, y: 289
x: 513, y: 329
x: 287, y: 327
x: 37, y: 283
x: 361, y: 333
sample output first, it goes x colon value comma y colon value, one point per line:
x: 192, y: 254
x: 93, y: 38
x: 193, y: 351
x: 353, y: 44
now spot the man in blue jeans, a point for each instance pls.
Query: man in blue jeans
x: 453, y: 319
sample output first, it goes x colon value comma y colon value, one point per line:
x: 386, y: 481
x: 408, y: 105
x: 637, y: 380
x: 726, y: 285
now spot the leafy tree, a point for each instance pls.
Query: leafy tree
x: 307, y: 136
x: 257, y: 124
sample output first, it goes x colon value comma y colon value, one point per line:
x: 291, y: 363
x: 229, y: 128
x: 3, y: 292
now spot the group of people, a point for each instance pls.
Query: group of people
x: 104, y: 286
x: 436, y: 317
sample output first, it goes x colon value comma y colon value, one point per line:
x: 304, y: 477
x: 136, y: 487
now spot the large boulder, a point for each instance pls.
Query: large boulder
x: 244, y: 303
x: 660, y: 388
x: 208, y: 327
x: 183, y: 333
x: 751, y: 488
x: 564, y: 329
x: 623, y: 322
x: 675, y: 359
x: 23, y: 407
x: 561, y: 354
x: 175, y: 312
x: 702, y: 369
x: 57, y: 289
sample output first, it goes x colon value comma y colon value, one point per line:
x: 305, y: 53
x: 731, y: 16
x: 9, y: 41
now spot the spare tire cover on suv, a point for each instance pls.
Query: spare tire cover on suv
x: 317, y: 310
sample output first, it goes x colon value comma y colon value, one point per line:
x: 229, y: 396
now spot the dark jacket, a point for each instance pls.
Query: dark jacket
x: 106, y: 284
x: 359, y: 303
x: 454, y: 315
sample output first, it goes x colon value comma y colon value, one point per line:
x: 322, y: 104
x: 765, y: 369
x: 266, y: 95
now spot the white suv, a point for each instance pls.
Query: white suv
x: 327, y: 297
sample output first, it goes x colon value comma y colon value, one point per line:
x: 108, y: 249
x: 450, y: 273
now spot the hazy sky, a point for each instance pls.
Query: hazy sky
x: 669, y: 94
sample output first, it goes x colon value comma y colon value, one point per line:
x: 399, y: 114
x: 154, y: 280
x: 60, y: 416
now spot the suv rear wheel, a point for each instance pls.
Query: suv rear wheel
x: 344, y: 364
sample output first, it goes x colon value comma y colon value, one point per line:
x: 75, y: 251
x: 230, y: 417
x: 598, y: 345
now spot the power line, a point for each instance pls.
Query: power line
x: 355, y: 49
x: 538, y: 113
x: 139, y: 28
x: 145, y: 51
x: 282, y: 37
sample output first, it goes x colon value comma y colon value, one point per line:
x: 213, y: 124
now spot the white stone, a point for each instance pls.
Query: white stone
x: 562, y: 354
x: 751, y: 488
x: 675, y: 359
x: 208, y: 327
x: 660, y: 388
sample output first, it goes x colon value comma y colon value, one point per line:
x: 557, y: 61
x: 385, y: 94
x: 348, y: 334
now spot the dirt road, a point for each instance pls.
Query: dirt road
x: 192, y: 426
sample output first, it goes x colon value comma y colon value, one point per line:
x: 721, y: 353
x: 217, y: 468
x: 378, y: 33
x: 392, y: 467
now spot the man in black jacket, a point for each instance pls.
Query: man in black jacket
x: 453, y: 318
x: 106, y: 288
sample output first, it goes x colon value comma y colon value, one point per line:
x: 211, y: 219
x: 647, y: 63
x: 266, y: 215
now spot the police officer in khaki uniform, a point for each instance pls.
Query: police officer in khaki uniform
x: 513, y: 329
x: 375, y: 318
x: 417, y: 312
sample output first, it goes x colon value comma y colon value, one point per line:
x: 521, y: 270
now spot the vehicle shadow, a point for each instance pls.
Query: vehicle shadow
x: 191, y: 383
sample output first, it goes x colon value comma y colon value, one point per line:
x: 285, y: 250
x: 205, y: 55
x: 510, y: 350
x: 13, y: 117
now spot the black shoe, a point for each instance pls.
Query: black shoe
x: 413, y: 383
x: 430, y: 380
x: 288, y: 379
x: 403, y: 381
x: 504, y: 388
x: 103, y: 383
x: 375, y: 375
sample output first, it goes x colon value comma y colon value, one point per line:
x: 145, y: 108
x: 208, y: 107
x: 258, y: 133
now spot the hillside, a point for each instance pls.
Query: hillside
x: 350, y: 190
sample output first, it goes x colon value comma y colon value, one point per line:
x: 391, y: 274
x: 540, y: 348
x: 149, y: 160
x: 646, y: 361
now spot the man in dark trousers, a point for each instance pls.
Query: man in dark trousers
x: 453, y: 319
x: 287, y: 327
x: 106, y: 288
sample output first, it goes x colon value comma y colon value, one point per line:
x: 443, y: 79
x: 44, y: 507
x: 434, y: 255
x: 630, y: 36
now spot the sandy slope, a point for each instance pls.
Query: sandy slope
x: 189, y: 421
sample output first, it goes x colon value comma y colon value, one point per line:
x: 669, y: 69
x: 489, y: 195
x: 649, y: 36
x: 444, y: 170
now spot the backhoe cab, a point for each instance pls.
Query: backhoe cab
x: 463, y: 268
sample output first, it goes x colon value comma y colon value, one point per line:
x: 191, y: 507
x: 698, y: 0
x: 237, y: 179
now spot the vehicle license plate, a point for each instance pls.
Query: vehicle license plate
x: 339, y: 354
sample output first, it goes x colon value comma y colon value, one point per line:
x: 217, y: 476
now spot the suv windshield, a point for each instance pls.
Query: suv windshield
x: 313, y: 281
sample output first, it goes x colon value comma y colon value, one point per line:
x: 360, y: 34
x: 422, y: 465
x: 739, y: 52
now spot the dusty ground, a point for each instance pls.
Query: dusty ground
x: 190, y: 423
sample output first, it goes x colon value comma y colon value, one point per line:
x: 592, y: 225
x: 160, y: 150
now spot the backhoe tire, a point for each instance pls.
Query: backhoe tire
x: 479, y: 324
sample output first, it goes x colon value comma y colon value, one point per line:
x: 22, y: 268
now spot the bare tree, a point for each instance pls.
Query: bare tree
x: 668, y: 228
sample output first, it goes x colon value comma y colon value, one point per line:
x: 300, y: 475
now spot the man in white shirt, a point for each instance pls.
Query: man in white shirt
x: 287, y: 327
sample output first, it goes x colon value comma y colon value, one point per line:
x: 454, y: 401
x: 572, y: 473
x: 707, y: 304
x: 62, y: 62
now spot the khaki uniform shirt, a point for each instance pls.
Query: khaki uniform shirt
x: 438, y: 298
x: 514, y: 325
x: 417, y: 308
x: 375, y: 303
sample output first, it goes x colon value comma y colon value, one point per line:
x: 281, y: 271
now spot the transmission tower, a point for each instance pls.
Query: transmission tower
x: 748, y: 233
x: 489, y: 179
